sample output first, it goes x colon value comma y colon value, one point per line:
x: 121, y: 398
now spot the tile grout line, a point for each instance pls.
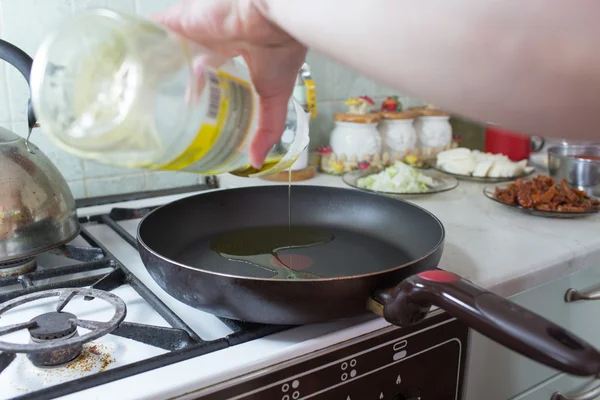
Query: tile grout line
x: 145, y: 176
x: 84, y: 175
x: 11, y: 115
x: 334, y: 77
x: 84, y: 179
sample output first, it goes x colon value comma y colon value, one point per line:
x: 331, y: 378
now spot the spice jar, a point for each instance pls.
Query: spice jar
x: 397, y: 131
x: 433, y: 129
x: 355, y: 138
x: 396, y: 127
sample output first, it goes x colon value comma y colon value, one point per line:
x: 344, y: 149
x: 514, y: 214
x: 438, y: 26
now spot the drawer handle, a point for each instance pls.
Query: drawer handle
x: 589, y: 395
x: 573, y: 295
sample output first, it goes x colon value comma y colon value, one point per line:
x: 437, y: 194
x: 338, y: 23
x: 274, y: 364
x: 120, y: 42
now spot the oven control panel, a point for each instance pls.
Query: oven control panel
x: 423, y: 362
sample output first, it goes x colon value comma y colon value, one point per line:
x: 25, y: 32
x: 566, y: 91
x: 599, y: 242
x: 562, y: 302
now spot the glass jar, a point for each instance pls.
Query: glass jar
x: 124, y: 91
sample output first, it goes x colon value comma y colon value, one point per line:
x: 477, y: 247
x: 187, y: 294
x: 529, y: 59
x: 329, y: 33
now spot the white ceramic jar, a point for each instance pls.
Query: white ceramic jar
x: 434, y: 131
x: 398, y: 133
x: 355, y: 139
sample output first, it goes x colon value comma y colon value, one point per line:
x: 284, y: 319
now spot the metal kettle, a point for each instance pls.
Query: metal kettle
x: 37, y: 209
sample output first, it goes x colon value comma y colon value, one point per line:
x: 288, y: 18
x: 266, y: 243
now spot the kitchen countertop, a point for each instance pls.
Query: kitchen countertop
x: 494, y: 246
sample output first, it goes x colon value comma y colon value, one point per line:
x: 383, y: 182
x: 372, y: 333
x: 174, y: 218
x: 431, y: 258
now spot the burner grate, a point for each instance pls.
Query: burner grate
x: 180, y: 340
x: 17, y: 267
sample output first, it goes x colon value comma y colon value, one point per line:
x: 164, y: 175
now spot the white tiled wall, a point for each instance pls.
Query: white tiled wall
x: 25, y: 22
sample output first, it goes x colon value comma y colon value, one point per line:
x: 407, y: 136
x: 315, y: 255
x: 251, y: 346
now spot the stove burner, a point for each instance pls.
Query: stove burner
x: 54, y: 339
x: 17, y: 267
x: 54, y: 327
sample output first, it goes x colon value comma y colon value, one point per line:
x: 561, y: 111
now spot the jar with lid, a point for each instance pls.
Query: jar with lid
x: 433, y: 129
x: 122, y: 90
x: 397, y: 131
x: 355, y: 137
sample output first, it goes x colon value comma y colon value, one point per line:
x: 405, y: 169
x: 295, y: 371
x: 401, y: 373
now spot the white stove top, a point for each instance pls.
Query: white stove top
x: 177, y: 380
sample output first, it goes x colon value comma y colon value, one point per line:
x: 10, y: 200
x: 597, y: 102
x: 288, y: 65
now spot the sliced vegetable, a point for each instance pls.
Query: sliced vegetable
x: 398, y: 178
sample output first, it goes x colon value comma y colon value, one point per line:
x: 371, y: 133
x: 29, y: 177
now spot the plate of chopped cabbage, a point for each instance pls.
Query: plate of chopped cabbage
x: 401, y: 179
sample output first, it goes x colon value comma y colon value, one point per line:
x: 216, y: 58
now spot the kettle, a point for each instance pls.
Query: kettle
x: 37, y: 209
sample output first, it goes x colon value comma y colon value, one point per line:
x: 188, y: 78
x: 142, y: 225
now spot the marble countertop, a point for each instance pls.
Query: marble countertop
x: 496, y: 247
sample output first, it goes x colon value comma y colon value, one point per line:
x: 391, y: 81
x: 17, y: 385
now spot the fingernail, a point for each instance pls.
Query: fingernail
x: 257, y: 165
x: 257, y: 161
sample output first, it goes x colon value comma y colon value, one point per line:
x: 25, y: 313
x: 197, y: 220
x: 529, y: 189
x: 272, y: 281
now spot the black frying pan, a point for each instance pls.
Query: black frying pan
x: 383, y: 257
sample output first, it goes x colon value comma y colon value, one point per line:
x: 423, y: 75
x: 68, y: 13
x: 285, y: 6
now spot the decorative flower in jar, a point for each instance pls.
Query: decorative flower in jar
x: 391, y: 104
x: 359, y: 105
x: 324, y: 153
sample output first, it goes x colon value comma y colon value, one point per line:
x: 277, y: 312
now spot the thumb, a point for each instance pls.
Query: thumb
x: 271, y: 123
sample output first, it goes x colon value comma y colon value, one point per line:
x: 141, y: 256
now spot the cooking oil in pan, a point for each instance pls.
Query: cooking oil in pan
x: 294, y: 252
x: 271, y: 248
x: 290, y: 214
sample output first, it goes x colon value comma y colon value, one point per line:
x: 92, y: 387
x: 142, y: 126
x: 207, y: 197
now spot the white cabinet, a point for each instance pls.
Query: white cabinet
x: 561, y: 383
x: 496, y: 373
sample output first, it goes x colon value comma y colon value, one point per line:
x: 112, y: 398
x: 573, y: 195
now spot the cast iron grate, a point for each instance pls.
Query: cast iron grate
x: 179, y: 339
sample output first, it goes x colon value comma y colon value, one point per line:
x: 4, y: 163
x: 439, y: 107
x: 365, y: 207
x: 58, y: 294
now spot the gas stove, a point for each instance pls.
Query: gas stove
x: 86, y: 319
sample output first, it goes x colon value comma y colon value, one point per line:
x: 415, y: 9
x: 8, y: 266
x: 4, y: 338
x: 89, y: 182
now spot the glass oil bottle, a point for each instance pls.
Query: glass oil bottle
x: 124, y: 91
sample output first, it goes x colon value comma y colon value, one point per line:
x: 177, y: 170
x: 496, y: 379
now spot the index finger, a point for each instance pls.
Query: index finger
x: 201, y: 21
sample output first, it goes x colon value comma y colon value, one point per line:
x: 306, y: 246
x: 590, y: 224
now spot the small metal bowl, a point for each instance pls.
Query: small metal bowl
x: 582, y: 173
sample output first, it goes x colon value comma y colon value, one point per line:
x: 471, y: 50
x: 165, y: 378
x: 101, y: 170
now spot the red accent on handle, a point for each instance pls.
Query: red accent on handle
x: 495, y: 317
x: 438, y: 275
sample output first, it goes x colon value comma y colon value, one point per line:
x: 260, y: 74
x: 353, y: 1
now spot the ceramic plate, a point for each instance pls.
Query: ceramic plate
x: 489, y: 192
x: 444, y: 182
x: 487, y: 179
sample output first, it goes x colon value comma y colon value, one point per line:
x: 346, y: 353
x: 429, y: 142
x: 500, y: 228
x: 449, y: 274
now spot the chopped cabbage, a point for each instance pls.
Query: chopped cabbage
x: 398, y: 178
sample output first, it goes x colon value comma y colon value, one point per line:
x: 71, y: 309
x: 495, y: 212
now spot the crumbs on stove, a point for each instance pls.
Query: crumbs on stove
x: 92, y: 357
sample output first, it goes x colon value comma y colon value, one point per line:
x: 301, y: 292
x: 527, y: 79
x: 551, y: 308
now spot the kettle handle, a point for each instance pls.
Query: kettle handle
x: 23, y: 62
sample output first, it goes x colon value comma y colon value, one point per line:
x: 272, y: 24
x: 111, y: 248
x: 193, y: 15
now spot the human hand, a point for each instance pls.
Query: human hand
x: 233, y: 28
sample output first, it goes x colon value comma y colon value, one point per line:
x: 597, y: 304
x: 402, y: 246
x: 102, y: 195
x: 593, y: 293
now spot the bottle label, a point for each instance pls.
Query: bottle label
x: 230, y: 112
x: 311, y: 97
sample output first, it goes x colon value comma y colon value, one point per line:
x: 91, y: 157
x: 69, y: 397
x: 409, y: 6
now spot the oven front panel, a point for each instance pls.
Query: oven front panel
x: 423, y: 362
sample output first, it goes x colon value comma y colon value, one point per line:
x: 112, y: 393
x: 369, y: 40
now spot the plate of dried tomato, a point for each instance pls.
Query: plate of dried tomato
x: 543, y: 196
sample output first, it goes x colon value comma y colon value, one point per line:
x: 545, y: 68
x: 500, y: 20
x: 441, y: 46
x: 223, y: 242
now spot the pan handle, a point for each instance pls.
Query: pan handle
x: 493, y: 316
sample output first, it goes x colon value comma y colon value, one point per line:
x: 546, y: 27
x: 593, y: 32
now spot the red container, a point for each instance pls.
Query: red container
x: 516, y: 146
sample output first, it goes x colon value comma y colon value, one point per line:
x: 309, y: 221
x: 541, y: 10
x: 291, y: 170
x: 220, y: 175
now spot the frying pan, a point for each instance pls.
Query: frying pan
x: 381, y: 255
